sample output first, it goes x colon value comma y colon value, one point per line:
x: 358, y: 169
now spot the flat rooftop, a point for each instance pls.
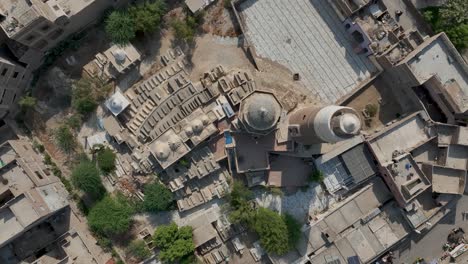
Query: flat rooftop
x: 438, y: 58
x: 401, y: 136
x: 408, y: 177
x: 448, y: 180
x: 368, y: 240
x: 19, y: 12
x: 308, y: 38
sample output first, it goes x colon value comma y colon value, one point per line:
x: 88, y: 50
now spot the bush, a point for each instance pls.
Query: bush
x: 110, y: 216
x: 276, y: 191
x: 227, y: 4
x: 47, y: 159
x: 175, y: 243
x: 106, y: 160
x: 38, y: 146
x: 87, y: 178
x: 372, y: 109
x: 147, y: 16
x: 27, y: 102
x: 75, y: 121
x: 157, y: 197
x: 119, y: 27
x: 317, y: 176
x: 65, y: 139
x: 138, y: 250
x: 185, y: 29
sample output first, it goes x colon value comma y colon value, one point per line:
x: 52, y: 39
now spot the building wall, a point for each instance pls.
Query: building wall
x: 50, y: 28
x: 304, y: 119
x: 13, y: 79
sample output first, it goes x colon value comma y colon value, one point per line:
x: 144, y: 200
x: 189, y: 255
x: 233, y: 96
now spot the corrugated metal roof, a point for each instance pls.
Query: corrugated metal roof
x: 359, y: 163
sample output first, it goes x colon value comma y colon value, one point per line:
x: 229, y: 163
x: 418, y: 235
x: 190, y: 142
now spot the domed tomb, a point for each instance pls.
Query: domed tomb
x: 261, y: 111
x: 162, y: 150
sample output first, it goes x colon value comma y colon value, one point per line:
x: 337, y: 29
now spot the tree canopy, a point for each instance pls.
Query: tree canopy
x: 272, y: 230
x: 175, y: 243
x: 157, y: 197
x: 106, y: 160
x: 450, y: 18
x: 83, y: 99
x: 119, y: 27
x: 65, y: 138
x: 110, y: 216
x: 87, y: 178
x: 148, y: 15
x: 294, y: 229
x: 278, y: 233
x: 239, y: 194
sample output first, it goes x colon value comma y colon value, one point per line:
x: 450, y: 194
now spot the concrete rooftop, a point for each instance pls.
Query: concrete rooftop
x: 308, y: 38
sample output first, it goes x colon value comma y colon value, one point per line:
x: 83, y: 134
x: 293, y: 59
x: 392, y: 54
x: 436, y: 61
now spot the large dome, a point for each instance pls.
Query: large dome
x: 162, y: 150
x: 261, y: 111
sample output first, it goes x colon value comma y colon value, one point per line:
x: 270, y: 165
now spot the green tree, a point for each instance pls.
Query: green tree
x: 106, y: 160
x: 110, y: 216
x: 454, y: 12
x: 239, y: 194
x: 450, y: 18
x: 273, y: 231
x: 147, y: 16
x: 459, y: 36
x: 119, y: 27
x: 294, y: 229
x: 27, y: 102
x: 65, y: 139
x: 83, y: 99
x: 138, y: 250
x: 87, y: 178
x: 157, y: 197
x: 175, y: 243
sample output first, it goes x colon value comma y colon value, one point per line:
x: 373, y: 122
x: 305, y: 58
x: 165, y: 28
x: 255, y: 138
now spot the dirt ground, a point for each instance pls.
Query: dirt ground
x: 377, y: 93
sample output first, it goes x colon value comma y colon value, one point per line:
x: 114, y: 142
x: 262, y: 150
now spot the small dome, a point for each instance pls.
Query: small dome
x: 119, y: 55
x: 162, y: 150
x: 116, y: 105
x: 188, y: 131
x: 197, y: 126
x: 205, y: 120
x: 261, y: 111
x: 350, y: 123
x: 174, y: 142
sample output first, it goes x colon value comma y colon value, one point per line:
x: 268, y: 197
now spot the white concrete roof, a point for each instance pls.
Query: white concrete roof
x: 117, y: 103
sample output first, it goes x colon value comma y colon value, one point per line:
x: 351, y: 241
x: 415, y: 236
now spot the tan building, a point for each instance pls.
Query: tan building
x: 35, y: 26
x: 439, y: 68
x: 13, y: 79
x: 29, y: 193
x: 29, y: 28
x: 113, y: 62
